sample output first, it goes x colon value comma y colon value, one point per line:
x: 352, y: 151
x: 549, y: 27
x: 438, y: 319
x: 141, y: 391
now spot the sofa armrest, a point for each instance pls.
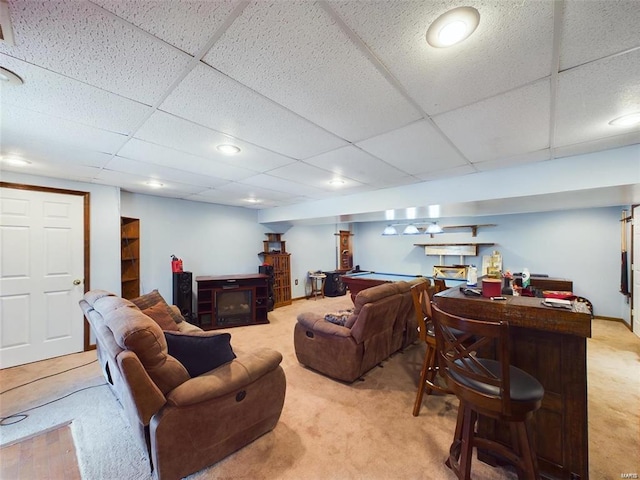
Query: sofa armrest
x: 186, y: 327
x: 145, y: 397
x: 317, y: 323
x: 228, y: 378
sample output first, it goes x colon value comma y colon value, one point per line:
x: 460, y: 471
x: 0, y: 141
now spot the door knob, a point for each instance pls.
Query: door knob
x: 77, y: 281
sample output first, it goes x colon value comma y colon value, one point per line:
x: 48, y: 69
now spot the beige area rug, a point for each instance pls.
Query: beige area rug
x: 330, y: 430
x: 46, y: 455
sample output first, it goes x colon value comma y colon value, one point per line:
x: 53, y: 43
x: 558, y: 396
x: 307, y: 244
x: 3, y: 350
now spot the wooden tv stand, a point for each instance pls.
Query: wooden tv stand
x: 232, y: 300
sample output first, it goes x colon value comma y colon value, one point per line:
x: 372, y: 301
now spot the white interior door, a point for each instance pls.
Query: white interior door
x: 636, y: 271
x: 41, y: 275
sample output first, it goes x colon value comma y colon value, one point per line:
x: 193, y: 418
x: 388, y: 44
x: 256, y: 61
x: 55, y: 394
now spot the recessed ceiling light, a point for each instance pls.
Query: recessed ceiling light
x: 336, y: 181
x: 15, y: 161
x: 7, y: 76
x: 453, y: 27
x: 629, y: 120
x: 228, y: 149
x: 155, y: 184
x: 252, y: 200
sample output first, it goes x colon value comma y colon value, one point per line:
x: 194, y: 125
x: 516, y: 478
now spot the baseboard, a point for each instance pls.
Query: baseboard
x: 615, y: 319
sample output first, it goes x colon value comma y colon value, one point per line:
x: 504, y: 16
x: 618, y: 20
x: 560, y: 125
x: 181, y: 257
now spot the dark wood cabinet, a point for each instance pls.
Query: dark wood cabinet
x: 130, y: 257
x: 232, y: 300
x: 550, y: 344
x: 275, y: 254
x: 346, y: 251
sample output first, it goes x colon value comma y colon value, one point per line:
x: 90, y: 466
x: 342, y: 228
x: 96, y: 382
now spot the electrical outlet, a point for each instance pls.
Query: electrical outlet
x: 296, y: 281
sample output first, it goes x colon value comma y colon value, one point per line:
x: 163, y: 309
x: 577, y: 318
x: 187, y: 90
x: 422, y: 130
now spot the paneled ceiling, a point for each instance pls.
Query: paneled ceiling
x: 121, y: 92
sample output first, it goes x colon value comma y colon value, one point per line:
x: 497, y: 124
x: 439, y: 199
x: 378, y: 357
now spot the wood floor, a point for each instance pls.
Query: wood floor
x: 45, y: 455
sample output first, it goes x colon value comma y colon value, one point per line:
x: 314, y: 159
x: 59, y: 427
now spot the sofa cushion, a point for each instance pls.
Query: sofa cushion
x: 152, y: 299
x: 200, y: 352
x: 161, y: 313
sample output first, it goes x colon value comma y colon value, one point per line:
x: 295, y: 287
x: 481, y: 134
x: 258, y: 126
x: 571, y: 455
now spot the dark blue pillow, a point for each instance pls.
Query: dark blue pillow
x: 200, y: 354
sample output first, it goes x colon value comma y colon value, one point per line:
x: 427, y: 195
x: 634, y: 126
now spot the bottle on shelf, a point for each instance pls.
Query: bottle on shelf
x: 472, y: 276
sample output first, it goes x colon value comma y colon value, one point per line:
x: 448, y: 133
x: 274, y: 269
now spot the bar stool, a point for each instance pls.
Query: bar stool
x: 421, y: 294
x: 486, y: 387
x: 317, y: 284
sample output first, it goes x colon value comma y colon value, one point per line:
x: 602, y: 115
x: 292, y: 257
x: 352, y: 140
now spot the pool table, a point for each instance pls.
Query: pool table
x: 361, y: 280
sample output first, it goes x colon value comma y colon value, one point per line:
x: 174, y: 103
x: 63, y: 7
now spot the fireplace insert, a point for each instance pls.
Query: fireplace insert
x: 234, y: 307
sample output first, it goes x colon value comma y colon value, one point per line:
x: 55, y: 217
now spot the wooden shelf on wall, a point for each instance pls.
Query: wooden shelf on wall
x: 473, y: 228
x: 456, y: 246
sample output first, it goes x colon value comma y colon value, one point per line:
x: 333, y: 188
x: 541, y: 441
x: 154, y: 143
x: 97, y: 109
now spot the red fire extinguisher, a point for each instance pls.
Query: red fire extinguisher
x: 176, y: 264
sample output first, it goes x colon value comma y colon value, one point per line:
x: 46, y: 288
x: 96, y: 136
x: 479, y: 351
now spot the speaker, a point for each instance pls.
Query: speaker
x: 183, y: 293
x: 333, y: 285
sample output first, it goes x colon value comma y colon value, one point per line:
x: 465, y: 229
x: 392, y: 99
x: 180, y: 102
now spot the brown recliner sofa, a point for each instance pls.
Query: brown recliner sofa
x: 185, y: 424
x: 382, y: 323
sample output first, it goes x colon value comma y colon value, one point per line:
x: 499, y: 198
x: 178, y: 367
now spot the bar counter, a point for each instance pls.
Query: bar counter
x: 550, y: 344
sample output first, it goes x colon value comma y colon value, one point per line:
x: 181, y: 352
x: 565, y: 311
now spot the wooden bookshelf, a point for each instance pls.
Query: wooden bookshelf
x: 130, y: 257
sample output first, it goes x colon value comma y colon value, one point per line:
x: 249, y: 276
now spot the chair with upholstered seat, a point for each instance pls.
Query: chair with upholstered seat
x: 421, y: 294
x: 440, y: 285
x: 486, y: 386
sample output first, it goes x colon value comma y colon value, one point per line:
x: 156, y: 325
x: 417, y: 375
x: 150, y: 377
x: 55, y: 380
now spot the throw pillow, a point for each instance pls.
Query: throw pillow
x: 161, y: 313
x: 200, y: 353
x: 340, y: 317
x: 152, y: 298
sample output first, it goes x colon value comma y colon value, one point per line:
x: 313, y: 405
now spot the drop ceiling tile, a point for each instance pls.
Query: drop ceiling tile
x: 26, y: 126
x: 592, y: 95
x: 175, y: 159
x: 47, y: 152
x: 237, y: 196
x: 138, y: 184
x: 250, y: 191
x: 597, y: 28
x: 357, y: 164
x: 511, y: 47
x: 530, y: 157
x: 447, y: 173
x: 316, y: 177
x: 415, y: 149
x: 127, y: 166
x: 53, y: 94
x: 179, y: 134
x: 186, y: 25
x: 394, y: 182
x: 216, y: 101
x: 281, y: 185
x: 80, y: 173
x: 297, y: 55
x: 81, y: 40
x: 507, y: 125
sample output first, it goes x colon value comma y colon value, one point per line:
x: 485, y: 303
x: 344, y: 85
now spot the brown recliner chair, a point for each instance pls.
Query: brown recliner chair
x: 376, y: 329
x: 185, y: 424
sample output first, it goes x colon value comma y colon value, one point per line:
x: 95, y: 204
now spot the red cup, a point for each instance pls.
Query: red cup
x: 491, y: 287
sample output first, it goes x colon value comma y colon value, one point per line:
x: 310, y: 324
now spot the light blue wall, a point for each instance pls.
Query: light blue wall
x: 210, y: 239
x: 218, y: 240
x: 312, y: 248
x: 581, y: 245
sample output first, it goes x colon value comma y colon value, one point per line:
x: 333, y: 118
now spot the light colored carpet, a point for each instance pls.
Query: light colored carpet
x: 330, y: 430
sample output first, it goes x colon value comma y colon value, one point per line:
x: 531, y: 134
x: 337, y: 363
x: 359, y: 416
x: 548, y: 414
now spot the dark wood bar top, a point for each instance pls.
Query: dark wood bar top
x: 527, y: 312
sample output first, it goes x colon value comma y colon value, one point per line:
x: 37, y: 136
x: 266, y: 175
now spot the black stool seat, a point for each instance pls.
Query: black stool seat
x: 523, y: 388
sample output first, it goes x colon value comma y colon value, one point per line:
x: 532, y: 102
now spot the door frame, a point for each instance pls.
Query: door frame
x: 86, y: 233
